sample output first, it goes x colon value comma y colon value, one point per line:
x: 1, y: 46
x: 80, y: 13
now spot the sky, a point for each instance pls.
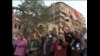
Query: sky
x: 80, y: 6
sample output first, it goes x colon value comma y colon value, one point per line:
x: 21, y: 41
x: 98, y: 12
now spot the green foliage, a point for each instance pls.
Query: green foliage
x: 33, y: 12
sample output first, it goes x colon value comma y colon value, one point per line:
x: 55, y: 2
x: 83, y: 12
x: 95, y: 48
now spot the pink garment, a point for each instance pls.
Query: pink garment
x: 20, y: 47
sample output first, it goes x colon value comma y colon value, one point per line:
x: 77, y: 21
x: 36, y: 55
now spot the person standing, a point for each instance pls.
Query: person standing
x: 59, y: 46
x: 33, y: 47
x: 83, y: 47
x: 47, y: 44
x: 69, y: 37
x: 14, y: 39
x: 21, y: 45
x: 76, y: 47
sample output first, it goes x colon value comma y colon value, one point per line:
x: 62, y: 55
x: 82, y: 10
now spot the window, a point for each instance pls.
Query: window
x: 19, y: 27
x: 15, y: 26
x: 57, y: 12
x: 64, y: 13
x: 67, y: 20
x: 71, y: 17
x: 54, y: 30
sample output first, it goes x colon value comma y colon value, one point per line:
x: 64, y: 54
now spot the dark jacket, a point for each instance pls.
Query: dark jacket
x: 33, y: 44
x: 69, y: 37
x: 48, y: 46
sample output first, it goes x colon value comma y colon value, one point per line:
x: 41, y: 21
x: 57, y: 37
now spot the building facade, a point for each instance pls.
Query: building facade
x: 16, y: 25
x: 66, y: 16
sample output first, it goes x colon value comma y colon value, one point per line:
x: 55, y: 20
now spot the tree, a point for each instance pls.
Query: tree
x: 32, y: 7
x: 33, y: 12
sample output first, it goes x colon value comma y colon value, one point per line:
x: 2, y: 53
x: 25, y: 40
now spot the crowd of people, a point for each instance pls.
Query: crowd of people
x: 64, y: 44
